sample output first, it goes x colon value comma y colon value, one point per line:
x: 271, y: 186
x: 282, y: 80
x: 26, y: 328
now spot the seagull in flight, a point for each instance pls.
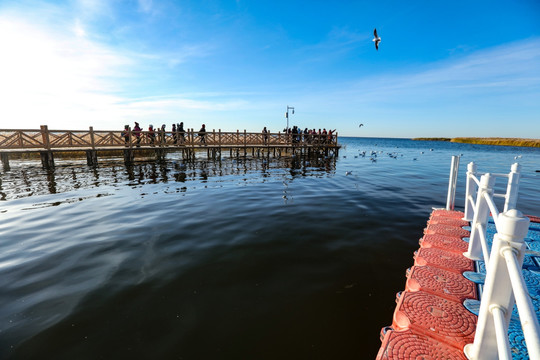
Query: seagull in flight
x: 376, y: 39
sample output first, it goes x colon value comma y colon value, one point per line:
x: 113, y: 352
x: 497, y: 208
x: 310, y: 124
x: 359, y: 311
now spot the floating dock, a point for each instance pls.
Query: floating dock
x: 437, y: 313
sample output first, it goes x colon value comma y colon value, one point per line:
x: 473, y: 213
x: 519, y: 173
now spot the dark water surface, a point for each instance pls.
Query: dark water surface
x: 238, y: 259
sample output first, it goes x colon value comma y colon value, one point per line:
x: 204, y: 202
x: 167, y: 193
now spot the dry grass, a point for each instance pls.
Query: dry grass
x: 499, y: 141
x: 490, y: 141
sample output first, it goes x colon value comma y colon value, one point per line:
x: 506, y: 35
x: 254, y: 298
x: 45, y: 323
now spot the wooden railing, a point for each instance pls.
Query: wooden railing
x: 15, y: 139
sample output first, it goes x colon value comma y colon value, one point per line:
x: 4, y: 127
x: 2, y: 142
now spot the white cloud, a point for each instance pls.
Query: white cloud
x: 48, y: 75
x: 505, y: 69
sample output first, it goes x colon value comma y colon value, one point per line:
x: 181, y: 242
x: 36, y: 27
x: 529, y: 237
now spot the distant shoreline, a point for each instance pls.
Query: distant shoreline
x: 489, y: 141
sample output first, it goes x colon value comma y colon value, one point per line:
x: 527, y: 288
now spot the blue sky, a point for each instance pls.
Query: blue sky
x: 443, y: 69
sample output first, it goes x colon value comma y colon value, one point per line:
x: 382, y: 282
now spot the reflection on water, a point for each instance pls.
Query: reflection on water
x: 29, y: 178
x: 252, y: 258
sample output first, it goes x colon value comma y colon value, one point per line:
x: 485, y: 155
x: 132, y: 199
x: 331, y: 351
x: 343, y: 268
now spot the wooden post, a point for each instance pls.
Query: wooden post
x: 47, y: 159
x: 92, y: 140
x: 192, y: 143
x: 245, y: 143
x: 219, y: 141
x: 45, y: 137
x: 160, y: 154
x: 128, y: 156
x: 5, y: 160
x: 91, y: 157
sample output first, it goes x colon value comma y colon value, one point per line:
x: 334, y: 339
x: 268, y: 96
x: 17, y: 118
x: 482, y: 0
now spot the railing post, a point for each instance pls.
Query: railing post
x: 130, y: 138
x: 512, y: 188
x: 471, y: 187
x: 45, y: 136
x: 454, y: 169
x: 498, y: 295
x: 92, y: 140
x: 481, y: 213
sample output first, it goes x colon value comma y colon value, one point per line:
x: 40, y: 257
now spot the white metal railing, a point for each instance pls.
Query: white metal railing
x: 451, y: 199
x: 473, y: 182
x: 504, y: 285
x: 478, y: 211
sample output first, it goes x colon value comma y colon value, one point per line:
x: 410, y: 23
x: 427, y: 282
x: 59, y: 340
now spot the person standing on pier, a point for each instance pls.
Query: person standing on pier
x: 162, y: 134
x: 174, y: 135
x: 202, y: 134
x: 137, y: 131
x: 151, y: 135
x: 181, y: 132
x: 265, y: 135
x: 125, y: 134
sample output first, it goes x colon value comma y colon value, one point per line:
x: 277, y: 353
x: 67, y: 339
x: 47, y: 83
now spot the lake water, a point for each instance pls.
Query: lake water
x: 233, y: 259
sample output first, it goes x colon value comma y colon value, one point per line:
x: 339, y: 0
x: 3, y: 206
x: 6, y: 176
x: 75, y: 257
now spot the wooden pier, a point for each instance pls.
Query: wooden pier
x: 48, y: 142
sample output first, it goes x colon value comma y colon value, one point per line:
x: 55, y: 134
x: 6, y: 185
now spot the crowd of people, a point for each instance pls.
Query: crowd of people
x: 159, y: 136
x: 309, y: 136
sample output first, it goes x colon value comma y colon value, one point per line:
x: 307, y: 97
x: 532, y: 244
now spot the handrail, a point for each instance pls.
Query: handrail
x: 511, y: 190
x: 504, y: 285
x: 44, y: 138
x: 492, y: 206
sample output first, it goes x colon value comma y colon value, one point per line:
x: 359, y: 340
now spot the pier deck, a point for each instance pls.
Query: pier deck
x: 436, y: 314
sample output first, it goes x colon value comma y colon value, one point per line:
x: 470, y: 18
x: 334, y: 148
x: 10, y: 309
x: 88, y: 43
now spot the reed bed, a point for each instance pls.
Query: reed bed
x: 499, y: 141
x: 490, y: 141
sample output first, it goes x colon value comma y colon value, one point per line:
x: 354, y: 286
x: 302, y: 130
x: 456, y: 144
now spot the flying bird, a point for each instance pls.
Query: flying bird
x: 376, y: 39
x: 360, y: 125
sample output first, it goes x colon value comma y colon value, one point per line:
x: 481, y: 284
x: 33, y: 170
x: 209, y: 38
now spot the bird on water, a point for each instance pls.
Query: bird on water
x: 376, y: 39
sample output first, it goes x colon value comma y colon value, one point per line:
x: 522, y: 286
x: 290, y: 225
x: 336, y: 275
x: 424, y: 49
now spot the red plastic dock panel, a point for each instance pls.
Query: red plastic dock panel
x: 448, y: 213
x: 430, y: 321
x: 440, y: 282
x: 436, y: 317
x: 406, y: 345
x: 447, y: 230
x: 449, y: 243
x: 448, y: 221
x: 533, y: 218
x: 443, y: 259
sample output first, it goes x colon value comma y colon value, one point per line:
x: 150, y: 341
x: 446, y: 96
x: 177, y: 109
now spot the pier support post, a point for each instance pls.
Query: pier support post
x: 91, y: 157
x: 128, y: 156
x: 47, y: 159
x: 160, y: 154
x: 5, y: 161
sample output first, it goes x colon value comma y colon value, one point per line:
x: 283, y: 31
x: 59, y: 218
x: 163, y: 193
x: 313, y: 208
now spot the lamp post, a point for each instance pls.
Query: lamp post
x: 287, y: 115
